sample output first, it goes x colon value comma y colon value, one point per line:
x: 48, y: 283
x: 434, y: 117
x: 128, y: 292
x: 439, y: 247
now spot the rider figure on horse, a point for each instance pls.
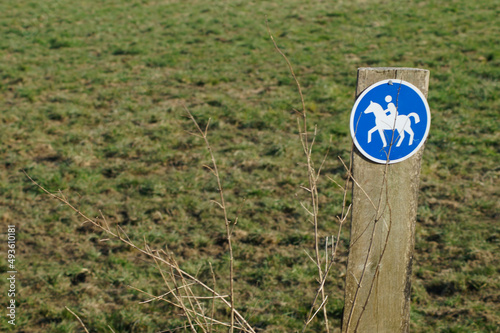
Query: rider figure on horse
x: 391, y: 111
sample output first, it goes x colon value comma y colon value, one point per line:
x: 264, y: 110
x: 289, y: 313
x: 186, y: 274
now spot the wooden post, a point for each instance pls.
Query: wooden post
x: 378, y: 280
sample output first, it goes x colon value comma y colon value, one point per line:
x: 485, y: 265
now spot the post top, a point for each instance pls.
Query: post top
x: 370, y: 75
x: 391, y: 69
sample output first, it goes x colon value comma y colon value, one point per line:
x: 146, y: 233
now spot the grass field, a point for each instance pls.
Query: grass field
x: 91, y: 96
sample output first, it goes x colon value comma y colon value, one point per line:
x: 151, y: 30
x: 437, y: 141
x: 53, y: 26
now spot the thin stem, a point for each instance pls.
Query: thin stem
x: 313, y: 189
x: 81, y: 322
x: 222, y: 204
x: 116, y: 234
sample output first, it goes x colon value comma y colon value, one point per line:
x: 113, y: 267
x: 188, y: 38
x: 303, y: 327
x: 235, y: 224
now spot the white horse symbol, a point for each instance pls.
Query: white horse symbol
x: 383, y: 122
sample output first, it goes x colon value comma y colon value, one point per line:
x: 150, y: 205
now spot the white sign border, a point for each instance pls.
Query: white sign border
x: 428, y: 125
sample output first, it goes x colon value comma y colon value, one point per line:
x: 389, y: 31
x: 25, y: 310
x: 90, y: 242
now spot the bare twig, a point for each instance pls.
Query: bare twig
x: 124, y: 239
x: 81, y: 322
x: 315, y: 313
x: 211, y: 319
x: 312, y: 175
x: 213, y: 295
x: 222, y: 205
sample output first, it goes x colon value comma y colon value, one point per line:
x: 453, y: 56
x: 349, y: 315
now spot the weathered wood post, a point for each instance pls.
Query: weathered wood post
x: 378, y: 280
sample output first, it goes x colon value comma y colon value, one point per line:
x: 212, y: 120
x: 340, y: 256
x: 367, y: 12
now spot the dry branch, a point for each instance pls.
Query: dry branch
x: 312, y: 188
x: 168, y: 262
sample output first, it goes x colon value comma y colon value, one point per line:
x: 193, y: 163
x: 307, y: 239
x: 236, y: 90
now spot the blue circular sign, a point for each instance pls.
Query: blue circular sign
x: 390, y: 121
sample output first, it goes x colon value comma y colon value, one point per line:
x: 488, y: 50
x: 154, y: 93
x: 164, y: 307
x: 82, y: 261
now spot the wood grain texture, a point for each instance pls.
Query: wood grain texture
x: 378, y: 281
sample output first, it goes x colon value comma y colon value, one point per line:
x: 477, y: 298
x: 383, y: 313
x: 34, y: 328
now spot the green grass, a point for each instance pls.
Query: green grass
x: 90, y: 103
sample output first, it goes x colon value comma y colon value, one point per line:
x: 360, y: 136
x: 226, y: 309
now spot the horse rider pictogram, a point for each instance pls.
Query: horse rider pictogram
x: 389, y: 119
